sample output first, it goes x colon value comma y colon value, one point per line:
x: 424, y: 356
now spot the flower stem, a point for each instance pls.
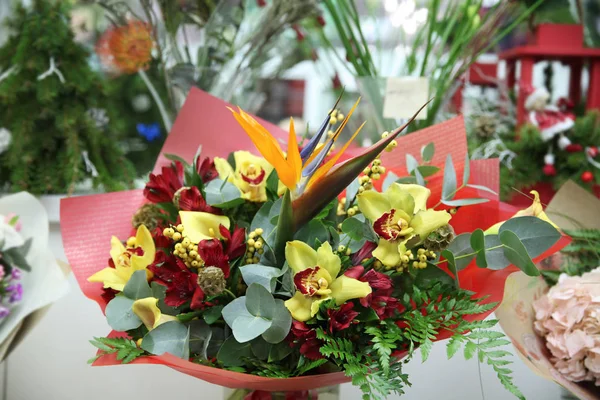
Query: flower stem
x: 161, y: 106
x: 229, y: 292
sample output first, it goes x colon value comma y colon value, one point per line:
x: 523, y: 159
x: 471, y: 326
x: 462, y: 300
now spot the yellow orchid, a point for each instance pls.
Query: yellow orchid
x: 250, y: 175
x: 399, y: 215
x: 198, y: 226
x: 137, y: 256
x: 316, y: 280
x: 147, y: 310
x: 534, y: 210
x: 295, y: 166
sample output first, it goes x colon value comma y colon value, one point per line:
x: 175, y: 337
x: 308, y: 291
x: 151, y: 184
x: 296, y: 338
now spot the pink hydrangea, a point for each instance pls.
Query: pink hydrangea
x: 568, y: 316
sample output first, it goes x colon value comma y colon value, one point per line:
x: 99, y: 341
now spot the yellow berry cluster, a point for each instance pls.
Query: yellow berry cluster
x: 422, y: 257
x: 344, y: 250
x: 392, y: 145
x: 255, y: 246
x: 184, y: 248
x: 377, y: 265
x: 371, y: 173
x: 334, y: 117
x: 341, y: 207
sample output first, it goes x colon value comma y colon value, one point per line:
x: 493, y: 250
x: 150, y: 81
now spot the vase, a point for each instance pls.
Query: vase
x: 327, y: 393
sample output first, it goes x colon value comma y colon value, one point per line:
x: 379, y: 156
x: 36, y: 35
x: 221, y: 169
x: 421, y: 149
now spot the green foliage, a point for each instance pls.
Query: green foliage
x: 582, y: 254
x: 49, y: 121
x: 126, y: 349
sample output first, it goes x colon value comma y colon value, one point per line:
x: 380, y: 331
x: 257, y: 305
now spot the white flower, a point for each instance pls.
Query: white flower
x: 5, y: 139
x: 9, y: 237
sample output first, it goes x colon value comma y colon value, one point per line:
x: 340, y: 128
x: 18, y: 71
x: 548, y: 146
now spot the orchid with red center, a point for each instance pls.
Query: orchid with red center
x: 162, y: 187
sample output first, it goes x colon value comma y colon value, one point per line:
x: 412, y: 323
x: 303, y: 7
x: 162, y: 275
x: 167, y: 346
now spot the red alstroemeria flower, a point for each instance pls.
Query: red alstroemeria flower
x: 235, y: 244
x: 365, y: 252
x: 161, y: 188
x: 213, y: 255
x: 341, y: 318
x: 191, y: 200
x: 380, y: 300
x: 306, y: 337
x: 182, y: 284
x: 206, y: 169
x: 160, y: 240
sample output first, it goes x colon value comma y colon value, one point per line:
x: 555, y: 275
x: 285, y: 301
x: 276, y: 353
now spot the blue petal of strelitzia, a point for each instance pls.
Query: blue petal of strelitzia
x: 314, y: 141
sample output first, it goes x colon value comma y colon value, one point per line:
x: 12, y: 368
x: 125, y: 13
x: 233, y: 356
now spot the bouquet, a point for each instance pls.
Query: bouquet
x: 296, y: 270
x: 553, y: 322
x: 30, y: 278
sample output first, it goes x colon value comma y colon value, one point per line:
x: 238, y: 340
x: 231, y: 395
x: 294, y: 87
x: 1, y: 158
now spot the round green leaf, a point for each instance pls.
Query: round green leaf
x: 170, y: 337
x: 234, y: 309
x: 281, y: 324
x: 232, y: 353
x: 222, y: 194
x: 261, y: 274
x: 137, y: 286
x: 494, y: 256
x: 119, y: 315
x: 461, y: 248
x: 535, y: 234
x: 516, y: 252
x: 248, y: 327
x: 259, y: 302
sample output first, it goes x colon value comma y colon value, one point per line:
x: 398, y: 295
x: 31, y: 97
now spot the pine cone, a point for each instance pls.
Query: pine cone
x: 211, y: 280
x: 485, y: 125
x: 439, y: 239
x: 177, y: 195
x: 147, y: 215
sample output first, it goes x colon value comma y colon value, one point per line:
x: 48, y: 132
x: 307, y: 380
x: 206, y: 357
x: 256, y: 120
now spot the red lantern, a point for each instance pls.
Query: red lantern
x: 592, y: 151
x: 549, y: 170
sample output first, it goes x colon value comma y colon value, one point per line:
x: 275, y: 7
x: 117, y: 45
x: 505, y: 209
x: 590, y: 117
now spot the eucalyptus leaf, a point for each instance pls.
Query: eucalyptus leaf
x: 449, y: 184
x: 260, y: 348
x: 248, y: 327
x: 428, y: 277
x: 463, y: 202
x: 234, y: 309
x: 351, y: 192
x: 259, y: 302
x: 484, y: 188
x: 137, y: 286
x: 354, y: 227
x: 411, y: 163
x: 419, y: 177
x: 389, y: 179
x: 516, y: 252
x: 467, y: 170
x: 536, y: 235
x: 460, y: 247
x: 273, y: 183
x: 281, y: 324
x: 200, y: 336
x: 407, y: 179
x: 170, y: 337
x: 261, y: 274
x: 312, y: 231
x: 477, y: 240
x: 232, y: 352
x: 159, y: 291
x: 212, y: 314
x: 427, y: 152
x: 494, y: 254
x: 279, y: 352
x: 427, y: 170
x: 120, y: 316
x: 222, y: 194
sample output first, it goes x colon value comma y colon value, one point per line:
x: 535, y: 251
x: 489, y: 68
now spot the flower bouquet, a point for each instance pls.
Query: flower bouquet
x: 288, y: 272
x: 30, y: 278
x: 554, y: 322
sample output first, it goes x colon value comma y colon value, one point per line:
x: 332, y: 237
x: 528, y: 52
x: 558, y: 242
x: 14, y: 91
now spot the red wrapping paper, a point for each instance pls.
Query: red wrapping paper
x: 88, y: 222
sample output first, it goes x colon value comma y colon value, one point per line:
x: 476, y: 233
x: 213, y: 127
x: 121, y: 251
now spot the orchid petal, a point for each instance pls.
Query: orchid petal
x: 328, y: 261
x: 345, y: 288
x: 426, y: 221
x: 202, y: 226
x: 400, y: 200
x: 113, y: 278
x: 224, y: 169
x: 147, y: 310
x: 300, y: 256
x: 143, y: 239
x: 373, y: 204
x: 419, y: 193
x: 116, y: 249
x: 387, y: 253
x: 299, y: 306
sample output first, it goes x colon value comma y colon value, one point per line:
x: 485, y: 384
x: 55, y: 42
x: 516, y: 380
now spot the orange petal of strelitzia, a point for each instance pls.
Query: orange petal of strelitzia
x: 293, y: 155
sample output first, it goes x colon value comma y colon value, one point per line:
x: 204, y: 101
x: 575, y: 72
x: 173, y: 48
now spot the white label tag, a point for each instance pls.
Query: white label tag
x: 404, y: 96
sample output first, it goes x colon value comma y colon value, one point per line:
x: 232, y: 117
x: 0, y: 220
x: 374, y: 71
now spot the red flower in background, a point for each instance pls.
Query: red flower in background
x: 162, y: 187
x: 306, y: 337
x: 341, y: 318
x: 127, y: 49
x: 191, y: 200
x: 206, y: 169
x: 182, y: 284
x: 235, y: 245
x: 365, y: 252
x: 380, y: 300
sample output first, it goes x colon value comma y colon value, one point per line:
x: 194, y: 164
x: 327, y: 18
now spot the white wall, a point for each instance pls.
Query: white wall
x: 51, y: 365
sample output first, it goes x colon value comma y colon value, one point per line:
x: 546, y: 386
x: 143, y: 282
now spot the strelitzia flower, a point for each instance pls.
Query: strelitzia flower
x: 147, y: 310
x: 296, y: 169
x: 137, y: 256
x: 400, y: 215
x: 250, y: 175
x: 316, y: 280
x: 534, y: 210
x: 200, y: 226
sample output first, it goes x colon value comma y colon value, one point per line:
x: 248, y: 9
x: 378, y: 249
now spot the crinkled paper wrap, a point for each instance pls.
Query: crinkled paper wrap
x: 47, y: 280
x: 88, y: 222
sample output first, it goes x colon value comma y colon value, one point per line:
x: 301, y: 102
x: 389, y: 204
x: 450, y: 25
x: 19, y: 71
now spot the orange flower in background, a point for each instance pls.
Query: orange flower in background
x: 127, y: 48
